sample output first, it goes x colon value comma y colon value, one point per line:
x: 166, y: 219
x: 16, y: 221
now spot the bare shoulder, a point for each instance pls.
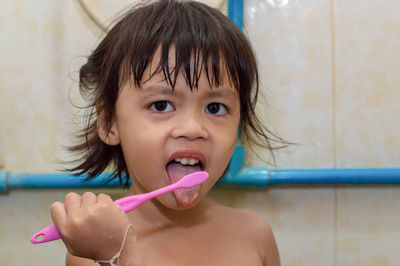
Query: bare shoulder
x: 255, y: 230
x: 77, y: 261
x: 261, y: 233
x: 250, y: 222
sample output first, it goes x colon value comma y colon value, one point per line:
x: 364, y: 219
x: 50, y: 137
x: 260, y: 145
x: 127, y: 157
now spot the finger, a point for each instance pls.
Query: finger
x: 72, y: 202
x: 105, y: 201
x: 104, y: 198
x: 88, y: 199
x: 58, y: 214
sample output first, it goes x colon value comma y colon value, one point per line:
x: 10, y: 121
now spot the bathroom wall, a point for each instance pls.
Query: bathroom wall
x: 330, y: 74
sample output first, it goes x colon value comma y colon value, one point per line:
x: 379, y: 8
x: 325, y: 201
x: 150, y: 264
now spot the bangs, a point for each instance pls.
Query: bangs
x: 196, y: 35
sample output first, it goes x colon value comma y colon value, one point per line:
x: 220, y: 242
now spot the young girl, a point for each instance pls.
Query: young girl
x: 169, y: 86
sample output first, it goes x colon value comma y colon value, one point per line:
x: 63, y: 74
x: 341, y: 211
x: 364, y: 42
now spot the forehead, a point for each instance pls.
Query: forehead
x: 168, y: 66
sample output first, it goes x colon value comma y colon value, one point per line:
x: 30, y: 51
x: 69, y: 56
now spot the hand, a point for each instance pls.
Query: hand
x: 91, y: 226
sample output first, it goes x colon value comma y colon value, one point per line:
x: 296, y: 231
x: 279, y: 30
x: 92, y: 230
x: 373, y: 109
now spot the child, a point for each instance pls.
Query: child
x: 169, y: 86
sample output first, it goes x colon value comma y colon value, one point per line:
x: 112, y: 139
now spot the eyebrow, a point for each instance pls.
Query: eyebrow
x: 223, y: 93
x: 157, y: 90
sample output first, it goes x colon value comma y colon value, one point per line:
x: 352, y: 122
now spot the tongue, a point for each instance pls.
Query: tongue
x: 184, y: 196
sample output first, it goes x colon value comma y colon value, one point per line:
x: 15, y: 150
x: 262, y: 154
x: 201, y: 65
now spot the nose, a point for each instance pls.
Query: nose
x: 191, y: 126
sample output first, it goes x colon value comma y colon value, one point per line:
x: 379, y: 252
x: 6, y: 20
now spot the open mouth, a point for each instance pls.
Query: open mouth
x: 178, y: 168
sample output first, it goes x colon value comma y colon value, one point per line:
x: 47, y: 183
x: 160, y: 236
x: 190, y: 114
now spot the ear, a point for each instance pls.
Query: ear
x: 107, y: 130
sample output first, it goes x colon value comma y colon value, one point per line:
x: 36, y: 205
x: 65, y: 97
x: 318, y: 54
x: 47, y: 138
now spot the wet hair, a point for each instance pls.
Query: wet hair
x: 204, y: 40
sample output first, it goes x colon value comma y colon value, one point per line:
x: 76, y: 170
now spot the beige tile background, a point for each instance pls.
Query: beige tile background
x: 367, y: 39
x: 331, y: 76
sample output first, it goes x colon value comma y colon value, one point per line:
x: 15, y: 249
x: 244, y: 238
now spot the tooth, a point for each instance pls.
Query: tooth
x: 186, y: 161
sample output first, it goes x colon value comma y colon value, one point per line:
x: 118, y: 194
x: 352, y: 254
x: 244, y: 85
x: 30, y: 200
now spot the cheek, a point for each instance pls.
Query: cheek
x: 142, y: 148
x: 224, y: 148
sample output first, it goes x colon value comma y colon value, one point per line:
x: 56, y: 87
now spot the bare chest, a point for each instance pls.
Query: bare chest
x: 207, y: 250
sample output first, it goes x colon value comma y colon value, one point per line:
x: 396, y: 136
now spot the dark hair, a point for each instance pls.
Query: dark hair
x: 204, y: 40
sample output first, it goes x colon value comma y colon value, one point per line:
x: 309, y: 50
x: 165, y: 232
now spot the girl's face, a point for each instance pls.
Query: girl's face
x: 166, y: 134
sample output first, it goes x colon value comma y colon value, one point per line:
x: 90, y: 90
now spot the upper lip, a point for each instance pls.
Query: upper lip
x: 189, y: 153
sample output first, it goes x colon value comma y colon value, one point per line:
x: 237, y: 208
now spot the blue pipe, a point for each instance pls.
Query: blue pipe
x: 53, y: 180
x: 361, y: 176
x: 245, y: 177
x: 235, y: 12
x: 263, y: 178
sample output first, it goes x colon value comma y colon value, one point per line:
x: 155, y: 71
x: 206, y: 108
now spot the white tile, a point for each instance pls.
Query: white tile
x: 293, y: 45
x: 368, y: 228
x: 368, y: 81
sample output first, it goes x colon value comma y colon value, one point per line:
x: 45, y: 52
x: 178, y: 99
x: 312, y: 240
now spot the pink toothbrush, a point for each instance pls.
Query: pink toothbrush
x: 128, y: 204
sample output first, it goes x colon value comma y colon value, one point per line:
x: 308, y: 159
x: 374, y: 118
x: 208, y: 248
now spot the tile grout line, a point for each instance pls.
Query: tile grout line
x: 333, y: 77
x: 333, y: 73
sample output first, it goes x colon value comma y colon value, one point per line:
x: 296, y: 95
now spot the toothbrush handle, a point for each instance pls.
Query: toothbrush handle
x: 47, y: 234
x: 130, y: 203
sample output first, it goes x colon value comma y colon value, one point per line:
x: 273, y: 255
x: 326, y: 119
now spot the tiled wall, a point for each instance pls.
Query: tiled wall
x: 331, y: 78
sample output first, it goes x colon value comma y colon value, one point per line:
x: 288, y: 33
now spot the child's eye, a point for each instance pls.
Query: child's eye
x: 216, y: 109
x: 162, y: 106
